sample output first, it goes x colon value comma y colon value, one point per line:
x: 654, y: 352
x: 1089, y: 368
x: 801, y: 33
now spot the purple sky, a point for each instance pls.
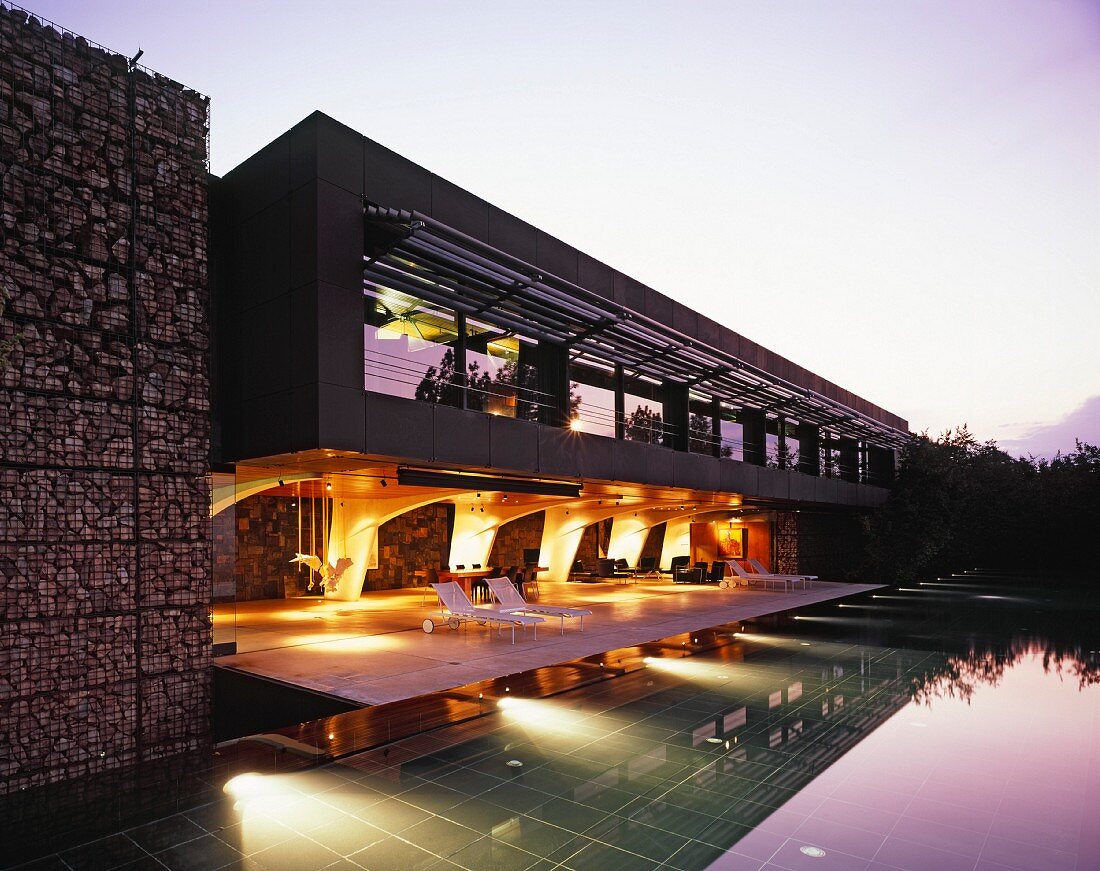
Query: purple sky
x: 903, y: 197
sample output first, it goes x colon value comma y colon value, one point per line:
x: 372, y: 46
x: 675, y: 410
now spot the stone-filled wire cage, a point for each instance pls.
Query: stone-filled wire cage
x: 105, y: 565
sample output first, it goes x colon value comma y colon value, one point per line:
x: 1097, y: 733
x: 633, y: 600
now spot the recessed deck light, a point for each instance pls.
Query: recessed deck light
x: 714, y: 740
x: 812, y: 852
x: 514, y: 763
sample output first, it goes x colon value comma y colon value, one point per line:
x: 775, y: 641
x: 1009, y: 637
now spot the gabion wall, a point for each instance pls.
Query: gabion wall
x: 104, y: 410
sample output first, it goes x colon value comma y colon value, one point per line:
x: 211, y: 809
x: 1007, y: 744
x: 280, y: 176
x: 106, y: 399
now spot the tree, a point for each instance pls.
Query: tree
x: 959, y: 503
x: 438, y: 383
x: 644, y: 424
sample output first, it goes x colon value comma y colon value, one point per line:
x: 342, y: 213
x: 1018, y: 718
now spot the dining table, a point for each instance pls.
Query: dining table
x: 463, y: 577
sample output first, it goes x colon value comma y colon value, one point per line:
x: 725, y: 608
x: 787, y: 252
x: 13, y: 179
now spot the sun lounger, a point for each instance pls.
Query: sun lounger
x: 765, y: 579
x: 455, y: 608
x: 759, y: 568
x: 512, y: 602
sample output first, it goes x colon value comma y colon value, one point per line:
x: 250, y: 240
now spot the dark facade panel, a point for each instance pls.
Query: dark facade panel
x: 773, y: 483
x: 262, y: 350
x: 556, y: 257
x: 513, y: 445
x: 510, y: 234
x: 801, y: 487
x: 306, y: 345
x: 261, y: 180
x: 274, y: 436
x: 302, y: 424
x: 395, y: 181
x: 660, y: 468
x: 339, y: 336
x: 595, y: 276
x: 339, y: 414
x: 618, y: 284
x: 685, y: 320
x: 708, y: 331
x: 263, y: 247
x: 697, y: 471
x: 739, y: 477
x: 339, y: 237
x: 460, y: 436
x: 567, y: 454
x: 323, y: 148
x: 827, y: 490
x: 658, y: 306
x: 635, y: 293
x: 629, y: 460
x: 729, y: 341
x: 460, y: 209
x: 396, y: 427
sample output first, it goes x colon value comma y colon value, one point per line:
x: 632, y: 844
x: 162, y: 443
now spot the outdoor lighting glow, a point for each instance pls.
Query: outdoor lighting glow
x: 541, y: 714
x: 575, y: 424
x: 687, y: 668
x: 244, y: 786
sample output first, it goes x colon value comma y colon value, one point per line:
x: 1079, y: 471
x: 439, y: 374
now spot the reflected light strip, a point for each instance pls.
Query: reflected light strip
x: 839, y: 621
x: 964, y: 586
x: 688, y: 668
x: 541, y: 714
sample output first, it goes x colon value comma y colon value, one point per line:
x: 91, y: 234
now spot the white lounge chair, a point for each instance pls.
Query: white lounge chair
x: 759, y: 568
x: 513, y: 603
x: 455, y: 608
x: 766, y: 579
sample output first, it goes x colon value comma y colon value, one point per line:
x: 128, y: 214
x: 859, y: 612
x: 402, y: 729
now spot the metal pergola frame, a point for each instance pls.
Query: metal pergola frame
x: 412, y: 253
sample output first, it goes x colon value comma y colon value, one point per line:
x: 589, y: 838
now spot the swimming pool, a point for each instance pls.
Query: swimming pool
x: 954, y: 724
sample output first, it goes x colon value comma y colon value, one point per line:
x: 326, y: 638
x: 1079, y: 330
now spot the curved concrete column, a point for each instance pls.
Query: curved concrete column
x: 677, y: 538
x: 476, y: 531
x: 562, y: 533
x: 629, y: 533
x: 354, y: 534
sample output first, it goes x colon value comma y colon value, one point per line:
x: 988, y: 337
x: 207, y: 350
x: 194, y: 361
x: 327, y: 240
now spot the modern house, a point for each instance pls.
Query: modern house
x: 329, y: 351
x: 395, y: 355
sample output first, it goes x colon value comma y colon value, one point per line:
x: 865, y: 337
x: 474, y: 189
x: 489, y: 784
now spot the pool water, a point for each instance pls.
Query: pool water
x: 932, y: 727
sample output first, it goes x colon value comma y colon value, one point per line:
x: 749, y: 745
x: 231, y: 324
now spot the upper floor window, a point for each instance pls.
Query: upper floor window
x: 409, y: 348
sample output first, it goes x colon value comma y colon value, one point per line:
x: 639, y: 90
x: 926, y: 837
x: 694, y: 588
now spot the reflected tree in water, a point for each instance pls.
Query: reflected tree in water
x: 959, y: 675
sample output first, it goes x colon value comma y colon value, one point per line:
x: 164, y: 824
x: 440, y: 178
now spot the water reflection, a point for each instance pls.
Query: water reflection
x: 956, y: 734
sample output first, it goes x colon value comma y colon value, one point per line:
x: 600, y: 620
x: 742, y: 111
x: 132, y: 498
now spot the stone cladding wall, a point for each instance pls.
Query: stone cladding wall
x: 415, y: 540
x: 266, y: 539
x: 512, y: 538
x: 105, y: 566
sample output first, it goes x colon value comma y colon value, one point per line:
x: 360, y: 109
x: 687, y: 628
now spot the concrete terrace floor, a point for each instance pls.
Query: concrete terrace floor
x: 374, y: 651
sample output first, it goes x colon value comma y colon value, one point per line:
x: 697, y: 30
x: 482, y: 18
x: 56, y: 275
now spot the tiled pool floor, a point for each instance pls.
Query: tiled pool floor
x: 788, y: 749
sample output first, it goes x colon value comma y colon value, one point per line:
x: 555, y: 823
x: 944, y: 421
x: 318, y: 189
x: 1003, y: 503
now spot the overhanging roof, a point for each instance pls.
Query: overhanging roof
x: 410, y: 252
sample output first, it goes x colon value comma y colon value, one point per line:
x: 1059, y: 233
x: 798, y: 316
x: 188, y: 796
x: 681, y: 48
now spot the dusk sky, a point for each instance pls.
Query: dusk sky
x: 903, y: 197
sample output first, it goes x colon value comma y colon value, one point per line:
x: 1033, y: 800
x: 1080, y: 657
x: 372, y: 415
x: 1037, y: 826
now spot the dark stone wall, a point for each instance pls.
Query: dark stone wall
x: 512, y: 538
x: 105, y: 570
x: 416, y: 540
x: 654, y: 541
x: 826, y: 545
x: 266, y: 540
x: 588, y: 551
